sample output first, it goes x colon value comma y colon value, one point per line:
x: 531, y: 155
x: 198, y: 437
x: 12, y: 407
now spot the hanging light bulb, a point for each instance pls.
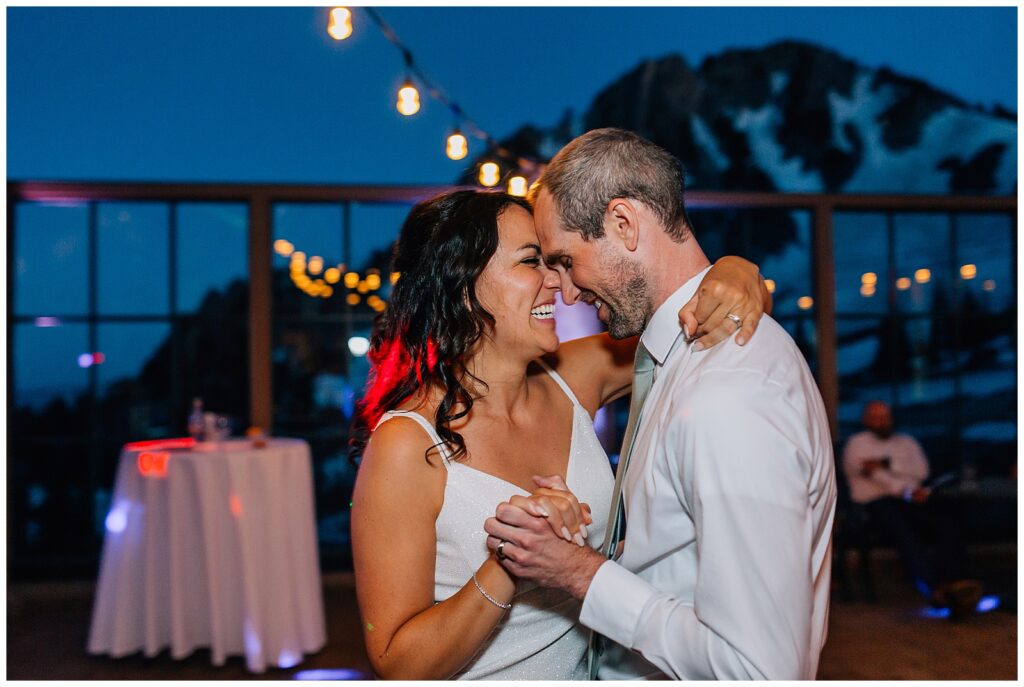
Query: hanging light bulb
x: 489, y: 174
x: 408, y: 99
x: 517, y: 186
x: 315, y: 265
x: 457, y: 147
x: 340, y: 24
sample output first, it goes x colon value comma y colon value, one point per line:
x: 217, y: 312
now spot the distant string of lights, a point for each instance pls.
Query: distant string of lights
x: 489, y: 174
x: 310, y: 277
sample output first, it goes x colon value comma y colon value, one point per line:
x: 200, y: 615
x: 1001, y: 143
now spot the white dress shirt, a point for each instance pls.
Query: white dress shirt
x: 908, y: 467
x: 730, y: 496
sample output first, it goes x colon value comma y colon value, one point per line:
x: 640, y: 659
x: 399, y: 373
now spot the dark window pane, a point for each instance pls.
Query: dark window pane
x: 988, y: 411
x: 50, y: 365
x: 313, y: 230
x: 317, y: 381
x: 777, y: 240
x: 924, y: 278
x: 51, y: 259
x: 860, y: 247
x: 374, y: 231
x: 985, y: 255
x: 134, y: 381
x: 213, y: 363
x: 986, y: 340
x: 864, y: 370
x: 213, y: 250
x: 133, y: 259
x: 51, y: 508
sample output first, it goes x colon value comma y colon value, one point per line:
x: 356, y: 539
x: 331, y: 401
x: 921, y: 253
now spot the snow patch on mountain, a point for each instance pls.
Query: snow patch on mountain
x: 760, y: 125
x: 706, y: 140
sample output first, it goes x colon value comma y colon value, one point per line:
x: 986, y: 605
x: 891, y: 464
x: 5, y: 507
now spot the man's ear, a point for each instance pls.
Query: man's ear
x: 622, y: 221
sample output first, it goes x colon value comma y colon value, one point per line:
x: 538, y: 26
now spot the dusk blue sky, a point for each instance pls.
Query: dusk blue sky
x: 263, y: 94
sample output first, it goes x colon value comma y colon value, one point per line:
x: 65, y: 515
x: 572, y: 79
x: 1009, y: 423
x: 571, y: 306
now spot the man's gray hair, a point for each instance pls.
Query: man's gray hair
x: 614, y: 163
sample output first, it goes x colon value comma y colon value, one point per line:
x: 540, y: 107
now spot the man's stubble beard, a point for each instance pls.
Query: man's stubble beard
x: 630, y: 310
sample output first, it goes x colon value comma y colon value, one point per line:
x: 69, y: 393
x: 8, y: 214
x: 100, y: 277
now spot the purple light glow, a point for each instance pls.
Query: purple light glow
x: 117, y: 518
x: 332, y: 674
x: 288, y: 658
x: 85, y: 360
x: 930, y: 612
x: 988, y: 603
x: 47, y: 322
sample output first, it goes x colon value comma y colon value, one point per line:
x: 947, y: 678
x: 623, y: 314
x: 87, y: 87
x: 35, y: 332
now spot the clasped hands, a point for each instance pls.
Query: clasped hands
x: 545, y: 537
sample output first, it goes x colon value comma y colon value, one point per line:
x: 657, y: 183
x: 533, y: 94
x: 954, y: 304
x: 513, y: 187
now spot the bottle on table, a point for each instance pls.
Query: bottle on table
x: 195, y: 420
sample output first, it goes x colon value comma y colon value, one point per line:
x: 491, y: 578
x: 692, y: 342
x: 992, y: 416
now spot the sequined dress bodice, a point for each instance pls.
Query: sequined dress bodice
x: 540, y: 638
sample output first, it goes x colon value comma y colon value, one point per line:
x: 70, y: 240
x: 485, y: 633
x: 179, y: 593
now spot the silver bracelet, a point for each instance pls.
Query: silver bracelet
x: 489, y: 597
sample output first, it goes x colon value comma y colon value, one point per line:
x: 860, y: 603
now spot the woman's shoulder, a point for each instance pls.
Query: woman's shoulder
x: 400, y: 437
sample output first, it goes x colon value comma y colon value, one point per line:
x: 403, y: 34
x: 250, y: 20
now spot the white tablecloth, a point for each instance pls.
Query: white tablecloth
x: 219, y: 552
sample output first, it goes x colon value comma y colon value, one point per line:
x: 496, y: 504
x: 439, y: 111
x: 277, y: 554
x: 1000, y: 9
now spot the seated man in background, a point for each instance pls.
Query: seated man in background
x: 886, y: 471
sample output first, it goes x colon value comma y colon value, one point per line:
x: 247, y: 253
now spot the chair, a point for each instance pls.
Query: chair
x: 852, y: 532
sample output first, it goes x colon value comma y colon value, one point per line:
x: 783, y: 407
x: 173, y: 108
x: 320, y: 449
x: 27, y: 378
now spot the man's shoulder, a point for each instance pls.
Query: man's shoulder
x: 771, y: 356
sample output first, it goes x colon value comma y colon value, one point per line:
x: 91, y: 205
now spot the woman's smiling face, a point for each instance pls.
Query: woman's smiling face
x: 518, y: 289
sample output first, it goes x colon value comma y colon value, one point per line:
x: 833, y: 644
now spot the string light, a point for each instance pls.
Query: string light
x: 316, y: 264
x: 517, y: 186
x: 351, y: 279
x: 373, y: 281
x: 457, y: 147
x: 283, y: 248
x: 968, y: 271
x: 867, y: 290
x: 770, y: 285
x: 340, y: 25
x: 989, y: 285
x: 413, y: 70
x: 352, y: 299
x: 395, y: 276
x: 489, y: 174
x: 362, y: 286
x: 408, y: 99
x: 805, y: 302
x: 923, y: 276
x: 869, y: 279
x: 332, y: 275
x: 903, y: 283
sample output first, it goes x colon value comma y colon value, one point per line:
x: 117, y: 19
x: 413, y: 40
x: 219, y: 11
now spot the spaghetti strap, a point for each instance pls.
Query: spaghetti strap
x: 559, y: 381
x: 422, y: 422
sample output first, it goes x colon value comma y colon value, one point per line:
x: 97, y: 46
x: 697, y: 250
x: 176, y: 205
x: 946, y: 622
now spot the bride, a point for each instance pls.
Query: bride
x: 470, y: 399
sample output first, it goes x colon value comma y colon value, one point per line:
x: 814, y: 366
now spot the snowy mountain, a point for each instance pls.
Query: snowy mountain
x: 796, y: 117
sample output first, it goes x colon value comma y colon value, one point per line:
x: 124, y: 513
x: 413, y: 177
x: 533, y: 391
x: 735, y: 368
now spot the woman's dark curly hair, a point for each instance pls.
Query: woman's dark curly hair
x: 434, y: 318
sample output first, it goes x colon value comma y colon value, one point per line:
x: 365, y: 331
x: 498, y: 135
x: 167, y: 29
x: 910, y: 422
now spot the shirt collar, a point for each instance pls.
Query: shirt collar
x: 664, y: 327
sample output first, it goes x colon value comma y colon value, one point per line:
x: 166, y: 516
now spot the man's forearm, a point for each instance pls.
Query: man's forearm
x: 577, y: 580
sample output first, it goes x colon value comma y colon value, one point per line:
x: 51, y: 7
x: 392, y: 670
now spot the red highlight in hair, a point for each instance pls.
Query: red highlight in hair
x: 391, y: 364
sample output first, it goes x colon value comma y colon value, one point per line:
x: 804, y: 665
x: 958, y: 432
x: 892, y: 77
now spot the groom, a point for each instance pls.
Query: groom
x: 726, y: 472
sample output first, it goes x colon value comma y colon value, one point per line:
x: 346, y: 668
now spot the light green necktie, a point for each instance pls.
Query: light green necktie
x: 643, y: 378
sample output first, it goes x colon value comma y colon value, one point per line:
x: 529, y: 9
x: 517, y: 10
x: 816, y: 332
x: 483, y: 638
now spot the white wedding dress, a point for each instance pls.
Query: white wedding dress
x: 540, y: 638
